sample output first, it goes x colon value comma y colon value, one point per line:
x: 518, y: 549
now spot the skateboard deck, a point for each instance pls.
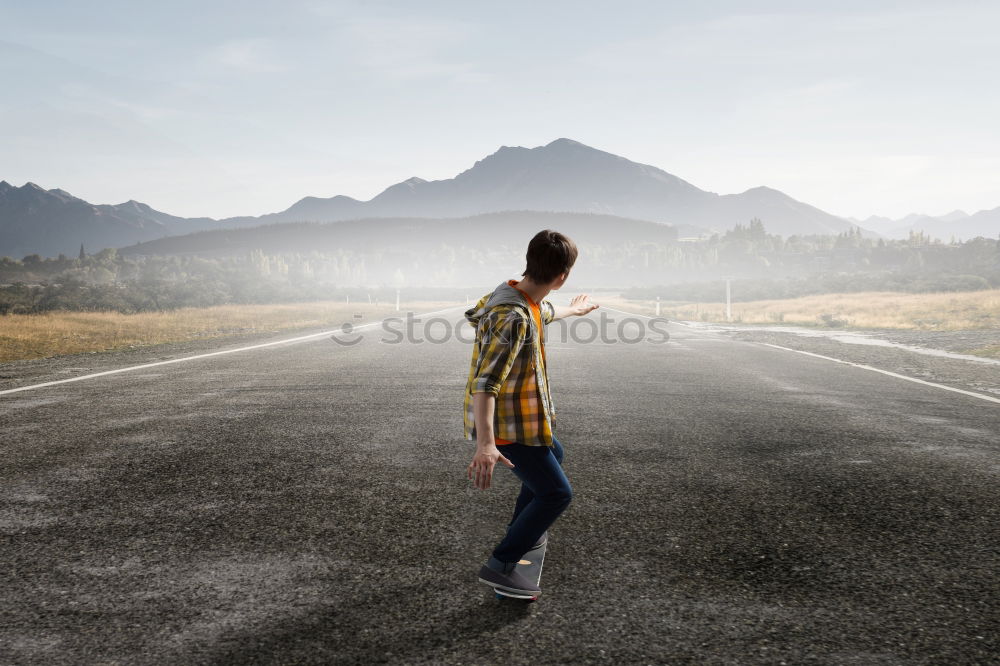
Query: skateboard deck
x: 530, y: 566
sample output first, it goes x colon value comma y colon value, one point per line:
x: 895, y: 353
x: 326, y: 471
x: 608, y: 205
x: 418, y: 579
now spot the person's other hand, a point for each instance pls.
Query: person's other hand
x: 480, y: 470
x: 581, y: 305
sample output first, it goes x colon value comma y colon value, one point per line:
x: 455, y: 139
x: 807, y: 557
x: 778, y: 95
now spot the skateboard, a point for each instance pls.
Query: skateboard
x: 530, y: 567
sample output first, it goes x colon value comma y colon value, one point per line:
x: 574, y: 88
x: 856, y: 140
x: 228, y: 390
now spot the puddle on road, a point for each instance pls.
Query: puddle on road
x: 855, y: 338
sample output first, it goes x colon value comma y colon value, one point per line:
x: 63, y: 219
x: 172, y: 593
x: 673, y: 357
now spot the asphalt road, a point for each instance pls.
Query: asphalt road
x: 307, y: 503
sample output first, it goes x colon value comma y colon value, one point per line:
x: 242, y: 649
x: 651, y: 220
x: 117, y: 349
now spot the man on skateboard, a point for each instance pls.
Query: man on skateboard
x: 508, y: 407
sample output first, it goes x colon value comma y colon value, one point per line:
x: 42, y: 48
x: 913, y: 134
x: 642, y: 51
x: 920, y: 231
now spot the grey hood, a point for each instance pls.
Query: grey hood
x: 504, y: 294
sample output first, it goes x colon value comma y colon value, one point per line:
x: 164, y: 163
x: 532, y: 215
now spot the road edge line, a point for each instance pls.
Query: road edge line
x: 216, y: 353
x: 981, y: 396
x: 888, y: 372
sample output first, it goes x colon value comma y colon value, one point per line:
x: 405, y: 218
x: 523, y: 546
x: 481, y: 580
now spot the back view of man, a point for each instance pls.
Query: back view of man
x: 508, y: 406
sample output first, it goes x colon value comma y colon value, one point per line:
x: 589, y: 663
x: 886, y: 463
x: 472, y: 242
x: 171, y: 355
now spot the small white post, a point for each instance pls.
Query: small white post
x: 369, y: 299
x: 657, y: 306
x: 729, y: 310
x: 348, y: 299
x: 397, y: 300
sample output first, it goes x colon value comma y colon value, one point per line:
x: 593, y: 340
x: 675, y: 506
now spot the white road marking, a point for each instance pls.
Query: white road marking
x: 887, y: 372
x: 856, y: 365
x: 635, y: 314
x: 197, y: 356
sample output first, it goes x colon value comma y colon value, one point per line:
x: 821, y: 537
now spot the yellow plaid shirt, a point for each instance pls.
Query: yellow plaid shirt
x: 507, y: 361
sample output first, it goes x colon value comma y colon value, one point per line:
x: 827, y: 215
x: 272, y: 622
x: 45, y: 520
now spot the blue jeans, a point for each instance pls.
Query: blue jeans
x: 545, y: 494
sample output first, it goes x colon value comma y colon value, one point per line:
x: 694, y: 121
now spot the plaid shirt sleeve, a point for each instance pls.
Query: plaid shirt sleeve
x: 548, y: 312
x: 502, y: 339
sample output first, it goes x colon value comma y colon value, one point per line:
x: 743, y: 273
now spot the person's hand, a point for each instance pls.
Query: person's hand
x: 480, y: 470
x: 581, y: 305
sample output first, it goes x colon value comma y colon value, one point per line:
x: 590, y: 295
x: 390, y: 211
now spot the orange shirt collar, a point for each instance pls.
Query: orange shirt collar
x: 512, y: 282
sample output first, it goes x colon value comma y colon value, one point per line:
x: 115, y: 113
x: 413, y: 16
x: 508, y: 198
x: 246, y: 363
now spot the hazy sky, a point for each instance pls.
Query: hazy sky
x: 242, y: 108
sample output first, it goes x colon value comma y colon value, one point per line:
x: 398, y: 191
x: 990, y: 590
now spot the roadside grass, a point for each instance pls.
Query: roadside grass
x: 938, y: 311
x: 989, y: 351
x: 56, y: 333
x: 64, y: 332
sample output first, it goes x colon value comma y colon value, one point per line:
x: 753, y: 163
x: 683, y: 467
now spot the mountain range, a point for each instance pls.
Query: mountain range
x: 562, y: 176
x: 957, y: 224
x: 567, y: 176
x: 34, y: 220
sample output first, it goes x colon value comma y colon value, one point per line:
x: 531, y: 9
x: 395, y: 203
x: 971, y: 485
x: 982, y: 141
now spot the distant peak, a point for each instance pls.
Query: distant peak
x: 565, y: 143
x: 414, y: 181
x: 954, y: 216
x: 31, y: 186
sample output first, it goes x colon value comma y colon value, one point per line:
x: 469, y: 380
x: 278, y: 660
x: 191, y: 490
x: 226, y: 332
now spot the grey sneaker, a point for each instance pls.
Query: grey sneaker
x: 513, y: 582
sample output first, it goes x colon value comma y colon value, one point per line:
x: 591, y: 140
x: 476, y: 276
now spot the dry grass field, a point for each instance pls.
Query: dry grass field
x: 58, y: 333
x: 941, y: 311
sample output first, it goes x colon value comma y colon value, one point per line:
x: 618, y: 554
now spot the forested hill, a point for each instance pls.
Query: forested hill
x: 404, y: 256
x: 491, y: 230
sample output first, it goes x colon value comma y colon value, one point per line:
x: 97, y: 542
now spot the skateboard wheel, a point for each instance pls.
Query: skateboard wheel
x: 499, y: 596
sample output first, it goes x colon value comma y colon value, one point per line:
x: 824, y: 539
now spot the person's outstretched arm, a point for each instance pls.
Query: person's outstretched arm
x: 579, y: 306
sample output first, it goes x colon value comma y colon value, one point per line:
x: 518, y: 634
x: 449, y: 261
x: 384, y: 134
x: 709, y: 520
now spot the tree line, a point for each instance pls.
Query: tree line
x: 763, y: 265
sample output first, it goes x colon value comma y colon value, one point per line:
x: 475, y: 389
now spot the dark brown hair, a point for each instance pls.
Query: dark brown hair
x: 549, y: 254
